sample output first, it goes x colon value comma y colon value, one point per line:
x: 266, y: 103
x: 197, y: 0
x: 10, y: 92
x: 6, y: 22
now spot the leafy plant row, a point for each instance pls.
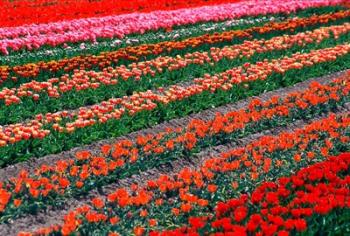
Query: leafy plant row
x: 73, y: 177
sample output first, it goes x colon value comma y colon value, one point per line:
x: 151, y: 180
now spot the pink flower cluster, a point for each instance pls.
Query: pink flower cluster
x: 90, y: 29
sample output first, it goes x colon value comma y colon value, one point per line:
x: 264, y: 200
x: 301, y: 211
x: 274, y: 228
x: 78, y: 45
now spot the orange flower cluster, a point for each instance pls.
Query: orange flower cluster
x: 82, y: 80
x: 67, y: 175
x: 246, y: 163
x: 146, y: 101
x: 135, y: 53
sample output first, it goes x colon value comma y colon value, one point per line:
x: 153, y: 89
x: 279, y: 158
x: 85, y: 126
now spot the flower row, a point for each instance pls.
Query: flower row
x: 172, y: 200
x: 87, y: 79
x: 178, y: 33
x: 53, y: 34
x: 114, y: 114
x: 15, y: 13
x: 126, y: 157
x: 138, y: 52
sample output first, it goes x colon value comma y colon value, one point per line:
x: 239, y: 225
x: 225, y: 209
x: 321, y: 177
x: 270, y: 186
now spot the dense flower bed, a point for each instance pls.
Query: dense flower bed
x: 127, y: 156
x: 138, y: 52
x: 150, y: 103
x: 82, y: 80
x: 183, y: 118
x: 196, y: 192
x: 280, y: 207
x: 19, y: 12
x: 53, y: 34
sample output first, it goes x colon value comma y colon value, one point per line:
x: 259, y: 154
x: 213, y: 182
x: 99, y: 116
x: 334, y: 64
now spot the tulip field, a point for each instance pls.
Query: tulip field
x: 174, y: 117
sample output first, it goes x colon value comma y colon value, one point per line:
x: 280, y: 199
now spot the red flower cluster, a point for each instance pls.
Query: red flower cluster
x: 19, y: 12
x: 281, y: 207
